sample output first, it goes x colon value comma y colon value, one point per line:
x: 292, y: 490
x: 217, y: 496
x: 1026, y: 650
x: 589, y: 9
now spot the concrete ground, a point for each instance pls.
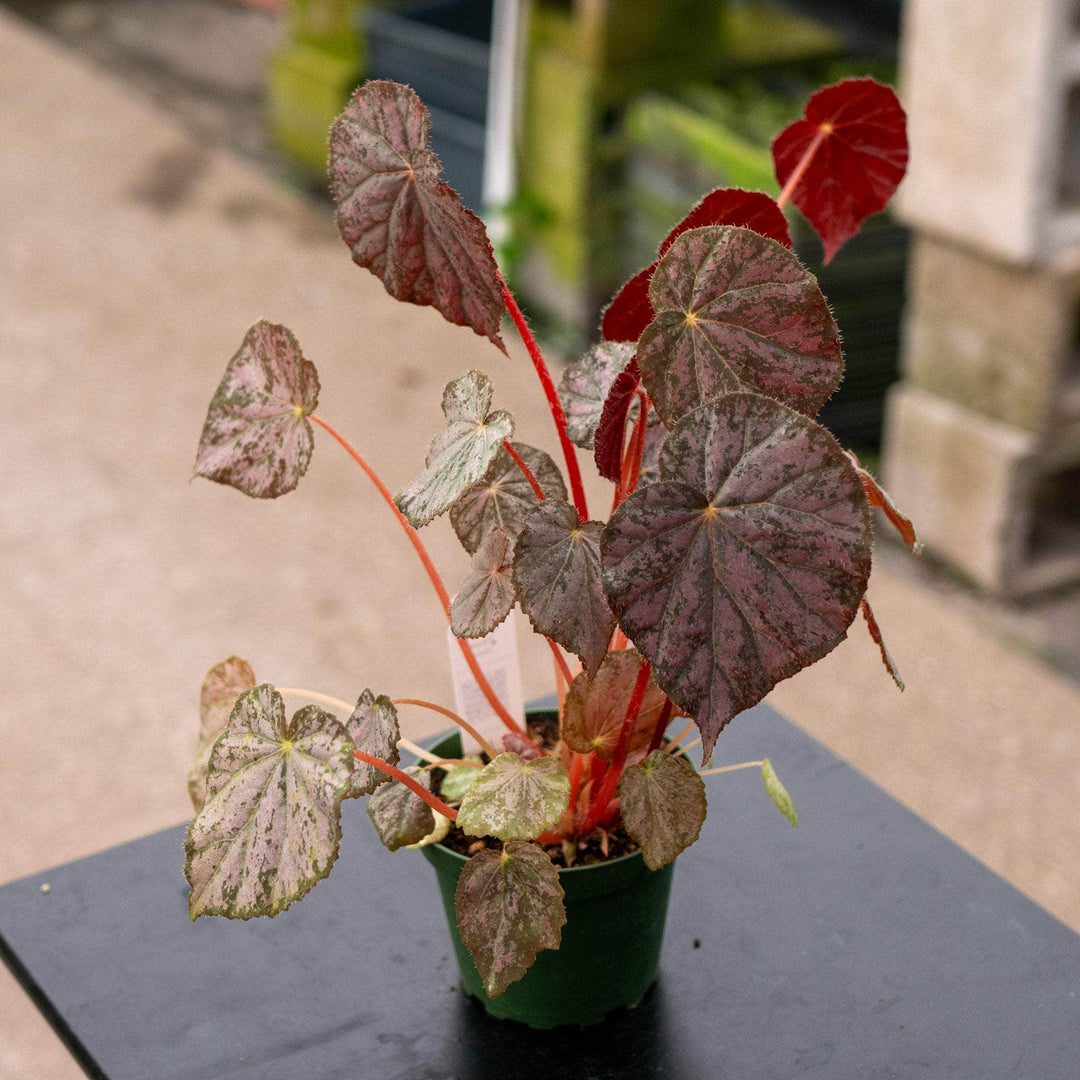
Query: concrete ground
x: 134, y: 259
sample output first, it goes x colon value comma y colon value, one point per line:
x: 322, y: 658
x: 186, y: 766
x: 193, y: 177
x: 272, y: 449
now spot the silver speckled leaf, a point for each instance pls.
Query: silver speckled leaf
x: 401, y: 220
x: 558, y: 581
x: 595, y: 708
x: 487, y: 595
x: 257, y: 437
x: 585, y: 385
x: 270, y: 827
x: 514, y: 799
x: 461, y: 453
x: 663, y: 806
x: 399, y: 815
x: 509, y: 907
x: 504, y: 496
x: 223, y: 684
x: 736, y: 311
x: 373, y: 728
x: 746, y: 563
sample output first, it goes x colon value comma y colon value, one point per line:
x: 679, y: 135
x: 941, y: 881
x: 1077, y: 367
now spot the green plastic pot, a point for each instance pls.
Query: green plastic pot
x: 610, y: 949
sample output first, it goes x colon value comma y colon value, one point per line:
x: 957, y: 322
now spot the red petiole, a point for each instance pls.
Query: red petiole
x: 414, y: 786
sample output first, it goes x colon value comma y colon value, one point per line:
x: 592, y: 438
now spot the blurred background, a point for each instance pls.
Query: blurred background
x: 162, y: 186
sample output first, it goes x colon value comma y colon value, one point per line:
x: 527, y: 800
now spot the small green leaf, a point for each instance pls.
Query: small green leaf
x: 487, y: 595
x: 461, y: 453
x: 595, y: 708
x: 663, y: 806
x: 399, y: 815
x: 257, y: 437
x: 373, y: 728
x: 458, y: 779
x: 509, y: 907
x: 558, y: 581
x: 514, y: 799
x: 777, y: 792
x: 585, y: 386
x: 504, y: 497
x: 223, y: 684
x: 270, y: 827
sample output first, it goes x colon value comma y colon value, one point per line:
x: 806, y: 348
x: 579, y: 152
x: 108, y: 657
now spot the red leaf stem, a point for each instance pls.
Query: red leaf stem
x: 519, y: 461
x: 560, y: 661
x: 599, y: 807
x: 433, y: 574
x: 430, y: 798
x: 450, y: 715
x: 537, y: 357
x: 577, y: 766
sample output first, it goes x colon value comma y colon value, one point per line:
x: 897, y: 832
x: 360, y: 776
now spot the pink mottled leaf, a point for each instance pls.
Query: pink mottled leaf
x: 611, y: 431
x: 270, y: 827
x: 400, y: 816
x: 595, y: 708
x: 631, y: 311
x: 557, y: 579
x: 401, y: 220
x: 662, y: 801
x: 514, y: 799
x: 461, y: 453
x: 503, y: 497
x: 746, y: 563
x: 487, y: 595
x: 853, y: 140
x: 509, y: 907
x: 736, y: 311
x: 257, y: 437
x: 373, y: 728
x: 585, y: 386
x: 223, y: 684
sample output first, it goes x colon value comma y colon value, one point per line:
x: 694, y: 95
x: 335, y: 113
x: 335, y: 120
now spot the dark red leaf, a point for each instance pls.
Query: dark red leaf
x: 855, y: 134
x: 611, y: 430
x: 401, y: 220
x: 746, y: 563
x: 736, y: 311
x: 630, y: 312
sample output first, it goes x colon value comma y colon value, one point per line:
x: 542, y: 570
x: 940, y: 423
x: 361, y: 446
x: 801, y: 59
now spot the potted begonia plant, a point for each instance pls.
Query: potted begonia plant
x: 737, y: 552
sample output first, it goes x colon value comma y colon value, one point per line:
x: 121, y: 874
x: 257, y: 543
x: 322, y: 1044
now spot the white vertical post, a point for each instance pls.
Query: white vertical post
x: 509, y: 18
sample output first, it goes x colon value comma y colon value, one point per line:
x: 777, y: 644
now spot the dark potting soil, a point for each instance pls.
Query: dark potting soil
x: 598, y: 846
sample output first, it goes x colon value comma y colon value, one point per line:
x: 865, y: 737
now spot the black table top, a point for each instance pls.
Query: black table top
x: 861, y: 945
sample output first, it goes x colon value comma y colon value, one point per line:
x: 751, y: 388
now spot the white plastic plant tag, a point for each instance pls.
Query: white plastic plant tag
x: 497, y: 655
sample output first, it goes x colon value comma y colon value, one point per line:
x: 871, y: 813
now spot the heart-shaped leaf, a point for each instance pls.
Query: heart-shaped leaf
x: 855, y: 137
x: 223, y: 684
x: 585, y: 386
x: 401, y: 220
x: 558, y: 581
x: 257, y: 437
x: 459, y: 778
x: 631, y: 311
x: 487, y: 595
x: 514, y: 799
x: 373, y: 728
x: 611, y: 431
x: 270, y: 827
x: 736, y: 311
x: 509, y: 907
x: 595, y: 708
x: 777, y: 792
x: 662, y: 801
x: 461, y: 453
x: 400, y: 816
x: 504, y: 496
x: 746, y: 563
